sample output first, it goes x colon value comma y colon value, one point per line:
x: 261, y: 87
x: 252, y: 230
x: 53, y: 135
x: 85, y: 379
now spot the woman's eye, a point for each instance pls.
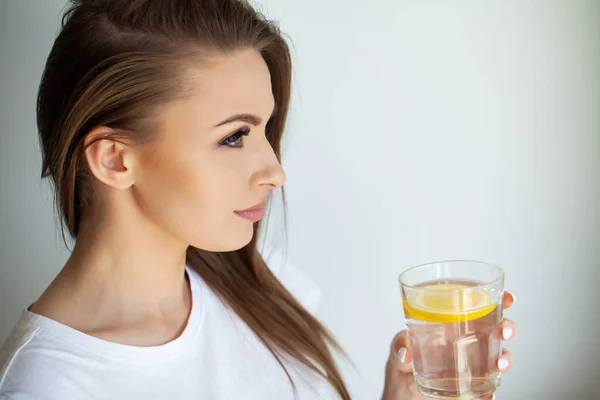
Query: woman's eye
x: 236, y: 139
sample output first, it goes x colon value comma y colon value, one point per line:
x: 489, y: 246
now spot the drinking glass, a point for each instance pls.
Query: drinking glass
x: 452, y: 310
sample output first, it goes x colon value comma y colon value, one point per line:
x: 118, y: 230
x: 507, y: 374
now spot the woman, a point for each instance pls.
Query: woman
x: 160, y: 124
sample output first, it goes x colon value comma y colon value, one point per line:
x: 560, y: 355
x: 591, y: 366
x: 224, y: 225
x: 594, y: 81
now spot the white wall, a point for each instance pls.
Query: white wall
x: 420, y: 131
x: 31, y: 250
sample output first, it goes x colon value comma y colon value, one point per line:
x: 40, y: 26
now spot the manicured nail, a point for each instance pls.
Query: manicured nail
x: 402, y: 354
x: 507, y: 333
x: 502, y: 364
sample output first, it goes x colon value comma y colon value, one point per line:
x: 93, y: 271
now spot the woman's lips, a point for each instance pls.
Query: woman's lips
x: 254, y: 213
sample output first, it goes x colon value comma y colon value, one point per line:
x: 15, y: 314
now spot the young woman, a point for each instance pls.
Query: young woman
x: 160, y: 124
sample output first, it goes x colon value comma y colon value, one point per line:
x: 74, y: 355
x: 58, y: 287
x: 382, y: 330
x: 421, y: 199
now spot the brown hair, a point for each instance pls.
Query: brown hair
x: 114, y: 63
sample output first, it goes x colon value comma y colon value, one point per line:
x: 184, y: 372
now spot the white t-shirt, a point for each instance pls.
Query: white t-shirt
x: 216, y: 357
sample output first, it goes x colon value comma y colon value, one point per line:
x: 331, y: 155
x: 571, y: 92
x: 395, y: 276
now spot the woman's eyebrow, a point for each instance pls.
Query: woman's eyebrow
x: 249, y: 118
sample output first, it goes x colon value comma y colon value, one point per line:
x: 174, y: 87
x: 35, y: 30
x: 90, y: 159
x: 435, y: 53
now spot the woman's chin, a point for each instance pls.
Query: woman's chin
x: 229, y: 243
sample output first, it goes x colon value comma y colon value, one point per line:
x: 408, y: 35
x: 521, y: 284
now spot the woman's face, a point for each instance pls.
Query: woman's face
x: 203, y: 167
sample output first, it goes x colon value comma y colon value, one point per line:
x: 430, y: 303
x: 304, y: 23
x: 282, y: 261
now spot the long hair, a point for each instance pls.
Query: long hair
x: 114, y: 63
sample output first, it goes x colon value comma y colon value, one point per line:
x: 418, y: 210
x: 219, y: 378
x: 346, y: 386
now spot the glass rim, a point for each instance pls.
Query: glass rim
x: 479, y: 286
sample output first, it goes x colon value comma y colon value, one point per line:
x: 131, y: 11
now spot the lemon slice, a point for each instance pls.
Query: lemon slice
x: 447, y: 303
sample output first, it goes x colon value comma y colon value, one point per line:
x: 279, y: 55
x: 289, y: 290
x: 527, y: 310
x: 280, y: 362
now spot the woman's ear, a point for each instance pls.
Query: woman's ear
x: 108, y: 158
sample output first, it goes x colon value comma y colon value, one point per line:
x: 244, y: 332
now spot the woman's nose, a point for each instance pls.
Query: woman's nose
x: 271, y: 173
x: 271, y: 176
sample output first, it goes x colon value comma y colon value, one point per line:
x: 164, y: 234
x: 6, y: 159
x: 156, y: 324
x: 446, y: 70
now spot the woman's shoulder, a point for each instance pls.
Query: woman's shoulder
x: 45, y: 360
x: 20, y: 363
x: 38, y: 361
x: 21, y: 335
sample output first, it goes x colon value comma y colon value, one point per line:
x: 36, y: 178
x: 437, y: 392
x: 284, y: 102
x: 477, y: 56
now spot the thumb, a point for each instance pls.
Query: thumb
x: 400, y: 353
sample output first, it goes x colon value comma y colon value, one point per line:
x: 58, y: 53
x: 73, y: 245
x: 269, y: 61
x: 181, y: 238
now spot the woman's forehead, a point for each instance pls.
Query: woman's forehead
x: 238, y: 82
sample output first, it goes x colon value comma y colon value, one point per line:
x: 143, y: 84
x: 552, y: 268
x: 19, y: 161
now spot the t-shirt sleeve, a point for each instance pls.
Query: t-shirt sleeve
x: 301, y: 287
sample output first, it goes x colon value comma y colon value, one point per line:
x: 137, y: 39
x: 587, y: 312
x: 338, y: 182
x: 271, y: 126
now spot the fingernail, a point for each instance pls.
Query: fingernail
x: 513, y: 298
x: 493, y: 397
x: 502, y: 363
x: 402, y: 354
x: 507, y: 333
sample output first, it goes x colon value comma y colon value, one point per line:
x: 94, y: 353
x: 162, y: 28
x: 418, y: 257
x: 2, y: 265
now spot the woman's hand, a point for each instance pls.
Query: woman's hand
x: 399, y: 381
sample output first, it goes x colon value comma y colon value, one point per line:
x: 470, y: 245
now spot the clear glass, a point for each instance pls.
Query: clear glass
x: 452, y: 310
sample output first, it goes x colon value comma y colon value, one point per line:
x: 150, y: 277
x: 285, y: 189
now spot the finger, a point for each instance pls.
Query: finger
x: 507, y: 329
x: 413, y: 389
x: 505, y: 362
x: 508, y: 300
x: 400, y: 354
x: 489, y: 397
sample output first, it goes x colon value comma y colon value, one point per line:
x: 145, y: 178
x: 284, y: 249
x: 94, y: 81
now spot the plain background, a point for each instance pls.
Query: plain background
x: 420, y: 131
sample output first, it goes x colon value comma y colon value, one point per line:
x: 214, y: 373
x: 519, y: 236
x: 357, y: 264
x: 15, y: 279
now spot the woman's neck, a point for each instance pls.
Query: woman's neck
x: 123, y: 272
